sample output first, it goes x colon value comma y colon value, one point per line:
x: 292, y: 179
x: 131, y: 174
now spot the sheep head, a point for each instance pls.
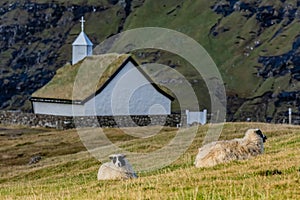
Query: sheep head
x: 258, y: 132
x: 254, y: 135
x: 118, y: 159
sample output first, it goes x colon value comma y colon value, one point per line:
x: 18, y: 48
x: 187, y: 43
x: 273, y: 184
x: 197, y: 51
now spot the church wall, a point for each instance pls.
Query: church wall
x: 57, y: 109
x: 79, y: 52
x: 129, y: 93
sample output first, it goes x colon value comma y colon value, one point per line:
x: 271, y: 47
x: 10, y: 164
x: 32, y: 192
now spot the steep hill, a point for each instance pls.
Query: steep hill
x: 255, y: 44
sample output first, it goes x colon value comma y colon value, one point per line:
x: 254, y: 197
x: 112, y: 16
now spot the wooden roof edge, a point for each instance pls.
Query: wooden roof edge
x: 55, y: 100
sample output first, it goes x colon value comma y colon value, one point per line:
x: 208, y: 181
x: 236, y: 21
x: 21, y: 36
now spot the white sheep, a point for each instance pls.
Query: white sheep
x: 217, y: 152
x: 118, y: 168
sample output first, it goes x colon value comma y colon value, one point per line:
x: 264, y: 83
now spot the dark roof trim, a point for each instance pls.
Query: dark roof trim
x: 51, y: 100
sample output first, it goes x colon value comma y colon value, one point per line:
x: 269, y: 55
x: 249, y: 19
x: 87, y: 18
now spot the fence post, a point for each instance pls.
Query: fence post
x: 290, y: 116
x: 187, y: 112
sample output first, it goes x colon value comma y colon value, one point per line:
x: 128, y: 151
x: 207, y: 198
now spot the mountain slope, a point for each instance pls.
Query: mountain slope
x: 255, y: 44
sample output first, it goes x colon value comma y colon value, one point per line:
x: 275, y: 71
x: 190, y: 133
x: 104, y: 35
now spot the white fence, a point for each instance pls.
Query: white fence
x: 196, y: 117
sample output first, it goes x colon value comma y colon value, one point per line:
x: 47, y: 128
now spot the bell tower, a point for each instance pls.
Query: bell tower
x: 82, y: 46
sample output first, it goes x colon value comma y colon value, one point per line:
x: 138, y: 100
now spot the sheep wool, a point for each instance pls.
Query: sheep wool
x: 252, y: 144
x: 117, y: 169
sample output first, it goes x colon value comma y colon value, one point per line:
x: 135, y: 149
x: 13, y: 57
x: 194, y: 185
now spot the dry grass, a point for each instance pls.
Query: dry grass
x: 72, y: 175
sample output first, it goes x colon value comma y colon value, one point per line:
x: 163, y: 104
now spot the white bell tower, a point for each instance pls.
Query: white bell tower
x: 82, y: 46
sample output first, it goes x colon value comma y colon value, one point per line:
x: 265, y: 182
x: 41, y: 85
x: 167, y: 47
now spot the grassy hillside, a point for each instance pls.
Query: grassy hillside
x: 67, y: 171
x: 255, y: 44
x: 237, y: 34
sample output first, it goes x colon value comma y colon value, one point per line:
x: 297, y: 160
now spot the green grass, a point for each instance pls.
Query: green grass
x: 72, y: 175
x: 195, y: 19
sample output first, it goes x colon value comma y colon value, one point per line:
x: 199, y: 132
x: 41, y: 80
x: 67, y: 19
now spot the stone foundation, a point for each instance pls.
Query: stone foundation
x: 63, y: 122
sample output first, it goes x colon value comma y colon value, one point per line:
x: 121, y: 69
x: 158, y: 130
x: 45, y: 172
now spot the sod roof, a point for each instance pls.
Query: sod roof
x: 88, y: 75
x: 79, y: 82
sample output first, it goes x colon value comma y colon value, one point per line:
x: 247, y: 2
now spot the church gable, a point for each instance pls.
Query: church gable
x: 129, y: 92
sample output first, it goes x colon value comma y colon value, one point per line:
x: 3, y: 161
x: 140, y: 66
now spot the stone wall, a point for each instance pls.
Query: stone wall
x: 62, y: 122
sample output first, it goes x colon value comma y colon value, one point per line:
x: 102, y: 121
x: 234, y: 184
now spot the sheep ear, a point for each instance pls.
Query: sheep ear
x: 111, y: 157
x: 123, y: 155
x: 258, y: 131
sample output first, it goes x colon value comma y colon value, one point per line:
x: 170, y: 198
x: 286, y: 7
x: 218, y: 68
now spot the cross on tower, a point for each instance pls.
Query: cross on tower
x: 82, y: 23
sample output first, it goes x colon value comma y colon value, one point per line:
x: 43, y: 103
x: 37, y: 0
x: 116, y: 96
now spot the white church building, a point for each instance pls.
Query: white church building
x: 100, y: 85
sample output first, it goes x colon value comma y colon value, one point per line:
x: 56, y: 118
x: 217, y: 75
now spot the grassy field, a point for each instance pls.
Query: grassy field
x: 68, y: 171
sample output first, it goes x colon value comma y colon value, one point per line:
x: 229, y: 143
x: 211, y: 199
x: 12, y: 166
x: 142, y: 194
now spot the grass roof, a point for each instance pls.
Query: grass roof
x: 79, y: 81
